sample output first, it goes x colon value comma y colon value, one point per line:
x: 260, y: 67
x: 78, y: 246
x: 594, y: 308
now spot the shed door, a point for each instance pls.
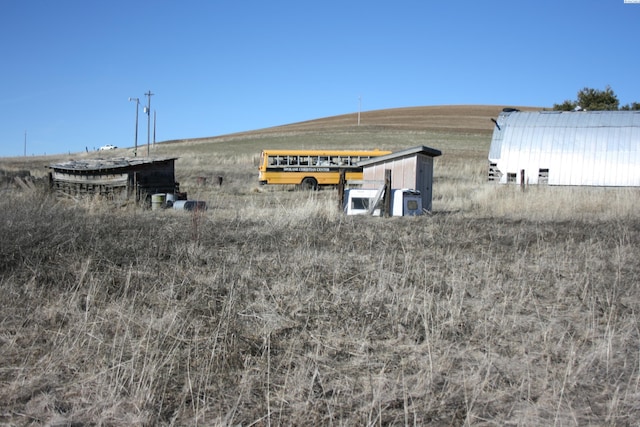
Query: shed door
x: 424, y: 179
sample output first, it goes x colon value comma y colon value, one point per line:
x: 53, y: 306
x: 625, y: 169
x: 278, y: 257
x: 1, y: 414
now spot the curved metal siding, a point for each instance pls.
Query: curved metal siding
x: 578, y: 148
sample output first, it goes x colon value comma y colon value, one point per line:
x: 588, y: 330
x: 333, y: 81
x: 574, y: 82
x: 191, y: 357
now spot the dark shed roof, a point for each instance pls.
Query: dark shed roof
x: 421, y: 149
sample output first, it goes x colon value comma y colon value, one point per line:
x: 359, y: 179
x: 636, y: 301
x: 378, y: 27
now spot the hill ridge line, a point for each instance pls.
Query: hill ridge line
x: 436, y: 118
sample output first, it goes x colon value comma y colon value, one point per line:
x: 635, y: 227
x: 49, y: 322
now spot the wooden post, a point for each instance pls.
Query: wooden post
x: 387, y: 193
x: 522, y: 179
x: 136, y: 193
x: 341, y: 184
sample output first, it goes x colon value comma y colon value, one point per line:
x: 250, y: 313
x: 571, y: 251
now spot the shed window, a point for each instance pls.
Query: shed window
x: 512, y: 177
x: 360, y: 203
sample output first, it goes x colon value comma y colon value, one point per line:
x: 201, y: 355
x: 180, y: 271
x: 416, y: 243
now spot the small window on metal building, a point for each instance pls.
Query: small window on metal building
x: 543, y: 176
x: 512, y: 178
x: 494, y: 172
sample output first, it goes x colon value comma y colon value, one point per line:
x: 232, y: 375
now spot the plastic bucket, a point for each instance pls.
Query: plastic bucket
x: 157, y: 200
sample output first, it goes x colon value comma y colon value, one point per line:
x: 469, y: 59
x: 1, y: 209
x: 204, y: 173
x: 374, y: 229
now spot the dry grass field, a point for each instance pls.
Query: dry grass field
x: 501, y: 307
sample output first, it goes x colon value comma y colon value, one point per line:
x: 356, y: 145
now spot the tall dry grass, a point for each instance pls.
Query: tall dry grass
x: 501, y: 307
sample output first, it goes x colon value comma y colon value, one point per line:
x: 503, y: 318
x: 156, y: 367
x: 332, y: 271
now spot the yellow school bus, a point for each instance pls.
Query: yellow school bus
x: 312, y: 168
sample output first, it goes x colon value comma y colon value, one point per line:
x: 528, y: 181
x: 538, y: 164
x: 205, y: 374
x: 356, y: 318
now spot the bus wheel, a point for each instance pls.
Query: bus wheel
x: 309, y: 184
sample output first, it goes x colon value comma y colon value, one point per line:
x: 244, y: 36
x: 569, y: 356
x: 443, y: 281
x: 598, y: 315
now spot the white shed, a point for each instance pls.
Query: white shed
x: 411, y: 169
x: 597, y: 148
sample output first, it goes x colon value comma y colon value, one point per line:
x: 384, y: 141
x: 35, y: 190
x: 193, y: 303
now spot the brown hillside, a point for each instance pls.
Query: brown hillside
x: 447, y: 118
x: 467, y: 118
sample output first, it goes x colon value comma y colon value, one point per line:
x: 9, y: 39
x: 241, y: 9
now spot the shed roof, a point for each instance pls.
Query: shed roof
x: 421, y: 149
x: 97, y: 165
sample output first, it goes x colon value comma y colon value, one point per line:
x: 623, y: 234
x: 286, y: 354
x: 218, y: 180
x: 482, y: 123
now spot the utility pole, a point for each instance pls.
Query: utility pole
x: 148, y: 111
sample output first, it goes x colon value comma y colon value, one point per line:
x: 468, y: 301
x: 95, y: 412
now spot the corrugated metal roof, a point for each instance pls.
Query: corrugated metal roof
x: 576, y: 148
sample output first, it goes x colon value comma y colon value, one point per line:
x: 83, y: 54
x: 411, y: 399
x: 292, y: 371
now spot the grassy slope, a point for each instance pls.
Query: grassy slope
x: 502, y: 307
x: 421, y: 120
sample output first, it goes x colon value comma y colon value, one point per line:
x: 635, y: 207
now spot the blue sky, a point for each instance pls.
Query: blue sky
x: 217, y: 67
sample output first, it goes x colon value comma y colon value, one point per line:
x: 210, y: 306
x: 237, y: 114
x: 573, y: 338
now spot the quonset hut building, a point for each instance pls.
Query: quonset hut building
x: 590, y: 148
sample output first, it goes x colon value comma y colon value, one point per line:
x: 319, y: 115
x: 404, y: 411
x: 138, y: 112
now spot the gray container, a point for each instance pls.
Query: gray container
x: 190, y: 205
x: 170, y: 199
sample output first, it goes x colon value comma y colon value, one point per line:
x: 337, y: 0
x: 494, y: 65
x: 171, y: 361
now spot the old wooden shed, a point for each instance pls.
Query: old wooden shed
x: 411, y: 168
x: 118, y: 178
